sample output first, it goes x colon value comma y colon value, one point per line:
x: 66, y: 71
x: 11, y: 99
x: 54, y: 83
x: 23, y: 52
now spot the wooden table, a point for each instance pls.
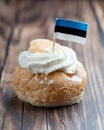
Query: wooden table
x: 22, y: 21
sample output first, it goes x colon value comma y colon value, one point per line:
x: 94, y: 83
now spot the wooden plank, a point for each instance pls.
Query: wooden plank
x: 3, y: 56
x: 98, y: 9
x: 7, y: 18
x: 89, y: 113
x: 5, y: 37
x: 7, y: 14
x: 92, y: 56
x: 99, y: 15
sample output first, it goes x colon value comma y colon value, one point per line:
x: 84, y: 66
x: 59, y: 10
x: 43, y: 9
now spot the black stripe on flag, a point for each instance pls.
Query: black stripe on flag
x: 72, y: 31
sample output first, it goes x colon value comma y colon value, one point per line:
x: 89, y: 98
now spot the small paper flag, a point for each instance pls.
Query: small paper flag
x: 69, y: 30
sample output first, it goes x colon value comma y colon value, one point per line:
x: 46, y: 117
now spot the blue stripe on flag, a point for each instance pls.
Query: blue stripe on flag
x: 72, y: 24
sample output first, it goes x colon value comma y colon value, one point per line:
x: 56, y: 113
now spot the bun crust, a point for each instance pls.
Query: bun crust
x: 55, y: 89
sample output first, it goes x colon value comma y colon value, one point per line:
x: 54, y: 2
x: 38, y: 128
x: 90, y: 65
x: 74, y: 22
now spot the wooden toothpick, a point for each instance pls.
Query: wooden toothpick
x: 53, y: 43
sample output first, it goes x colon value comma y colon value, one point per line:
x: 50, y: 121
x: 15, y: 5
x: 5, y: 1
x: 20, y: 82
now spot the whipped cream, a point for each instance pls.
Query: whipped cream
x: 63, y: 58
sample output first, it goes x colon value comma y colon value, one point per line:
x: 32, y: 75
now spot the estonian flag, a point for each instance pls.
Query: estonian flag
x: 73, y: 31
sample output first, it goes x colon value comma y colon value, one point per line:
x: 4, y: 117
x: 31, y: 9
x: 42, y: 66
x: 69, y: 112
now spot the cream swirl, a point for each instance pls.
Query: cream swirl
x: 63, y: 58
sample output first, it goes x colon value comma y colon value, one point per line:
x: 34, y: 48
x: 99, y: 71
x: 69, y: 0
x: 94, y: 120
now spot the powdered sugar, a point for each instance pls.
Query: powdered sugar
x: 75, y: 79
x: 45, y: 78
x: 36, y: 78
x: 41, y: 82
x: 51, y: 82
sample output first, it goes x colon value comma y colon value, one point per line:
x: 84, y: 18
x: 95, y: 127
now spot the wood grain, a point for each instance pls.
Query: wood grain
x: 5, y: 38
x: 23, y: 21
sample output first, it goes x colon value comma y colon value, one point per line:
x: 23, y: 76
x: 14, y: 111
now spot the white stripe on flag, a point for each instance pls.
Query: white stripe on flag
x: 69, y: 37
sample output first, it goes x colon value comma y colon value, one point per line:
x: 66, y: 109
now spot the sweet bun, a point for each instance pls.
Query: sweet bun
x: 49, y: 90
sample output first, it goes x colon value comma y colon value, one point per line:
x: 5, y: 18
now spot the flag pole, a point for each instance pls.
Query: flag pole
x: 53, y: 43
